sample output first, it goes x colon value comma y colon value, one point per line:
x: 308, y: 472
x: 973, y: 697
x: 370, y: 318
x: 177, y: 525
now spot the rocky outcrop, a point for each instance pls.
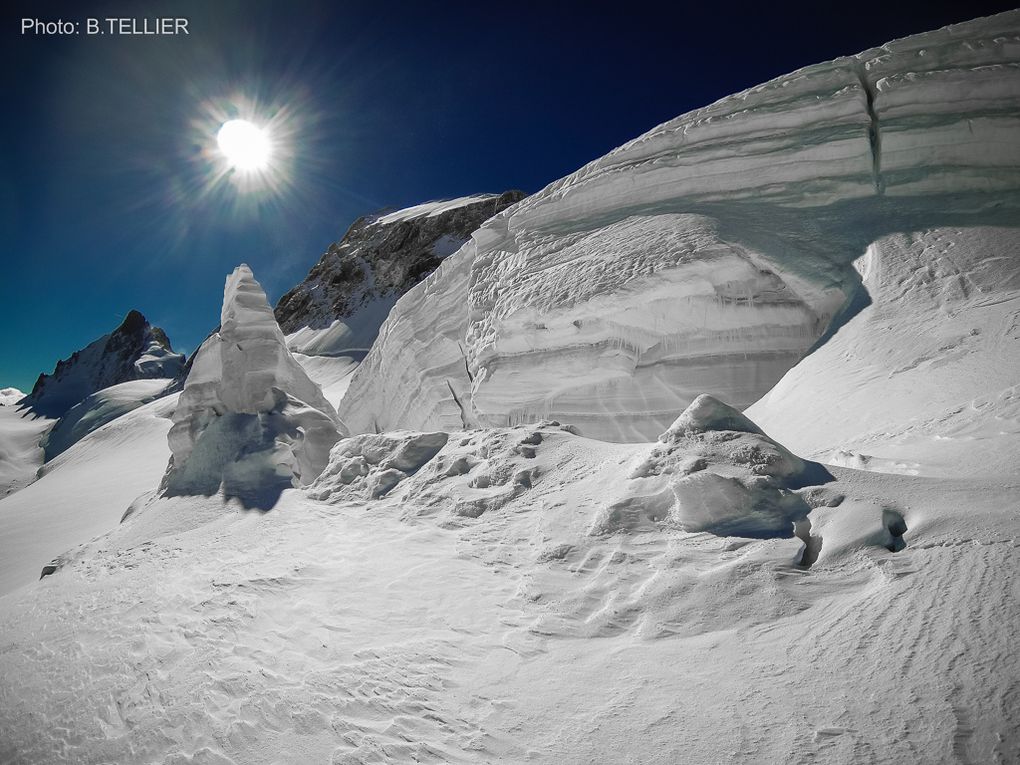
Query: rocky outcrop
x: 136, y: 350
x: 249, y: 422
x: 711, y: 253
x: 346, y: 296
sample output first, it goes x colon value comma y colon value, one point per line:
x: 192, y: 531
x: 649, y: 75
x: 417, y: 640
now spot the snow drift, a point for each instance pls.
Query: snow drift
x: 249, y: 421
x: 709, y: 254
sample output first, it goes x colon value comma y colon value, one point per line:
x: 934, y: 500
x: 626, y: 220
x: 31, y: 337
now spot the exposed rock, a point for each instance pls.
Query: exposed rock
x: 344, y: 299
x: 135, y: 350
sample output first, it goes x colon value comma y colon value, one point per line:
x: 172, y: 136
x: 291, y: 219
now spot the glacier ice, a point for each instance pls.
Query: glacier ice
x: 708, y: 255
x: 249, y: 421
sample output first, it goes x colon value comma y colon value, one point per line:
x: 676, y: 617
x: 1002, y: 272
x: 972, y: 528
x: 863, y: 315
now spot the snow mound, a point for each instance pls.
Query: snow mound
x: 370, y: 466
x: 709, y: 254
x: 708, y: 413
x: 714, y: 470
x: 250, y: 422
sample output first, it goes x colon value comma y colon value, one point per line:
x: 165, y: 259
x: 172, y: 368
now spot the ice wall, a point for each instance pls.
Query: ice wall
x: 710, y: 254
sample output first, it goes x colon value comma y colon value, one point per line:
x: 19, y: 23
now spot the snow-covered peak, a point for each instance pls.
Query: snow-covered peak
x: 135, y: 350
x: 432, y: 209
x: 339, y: 307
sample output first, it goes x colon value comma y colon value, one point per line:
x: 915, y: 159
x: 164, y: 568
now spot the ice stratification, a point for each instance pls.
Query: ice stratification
x: 250, y: 421
x: 709, y: 254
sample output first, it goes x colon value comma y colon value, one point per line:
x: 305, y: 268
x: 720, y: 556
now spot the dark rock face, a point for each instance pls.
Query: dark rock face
x: 381, y: 257
x: 135, y: 350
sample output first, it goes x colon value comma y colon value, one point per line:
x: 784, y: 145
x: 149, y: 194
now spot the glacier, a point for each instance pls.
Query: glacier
x: 710, y: 254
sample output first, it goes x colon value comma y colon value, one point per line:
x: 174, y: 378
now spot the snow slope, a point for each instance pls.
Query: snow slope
x: 925, y: 376
x: 709, y: 254
x: 478, y: 612
x: 99, y: 408
x: 82, y: 493
x: 21, y: 430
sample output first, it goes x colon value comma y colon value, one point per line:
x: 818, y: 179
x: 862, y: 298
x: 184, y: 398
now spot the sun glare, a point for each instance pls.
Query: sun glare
x: 245, y: 146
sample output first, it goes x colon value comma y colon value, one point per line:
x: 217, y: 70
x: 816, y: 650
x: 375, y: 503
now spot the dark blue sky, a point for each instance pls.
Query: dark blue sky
x: 105, y: 205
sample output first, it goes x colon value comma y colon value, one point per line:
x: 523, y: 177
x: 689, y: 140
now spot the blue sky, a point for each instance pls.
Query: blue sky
x: 106, y: 206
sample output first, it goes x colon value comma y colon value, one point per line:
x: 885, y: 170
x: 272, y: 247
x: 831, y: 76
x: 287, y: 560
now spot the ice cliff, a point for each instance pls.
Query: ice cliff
x: 711, y: 253
x: 340, y: 305
x: 250, y: 421
x: 136, y: 350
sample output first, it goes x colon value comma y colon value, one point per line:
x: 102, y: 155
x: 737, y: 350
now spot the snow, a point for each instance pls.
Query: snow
x: 10, y: 396
x: 98, y: 409
x: 432, y: 209
x: 469, y: 615
x: 485, y: 584
x: 351, y: 336
x: 250, y: 421
x: 925, y: 375
x: 82, y: 493
x: 710, y: 254
x: 20, y: 453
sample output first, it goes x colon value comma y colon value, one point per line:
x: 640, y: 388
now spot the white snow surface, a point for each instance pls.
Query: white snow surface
x: 925, y: 376
x: 477, y: 612
x: 711, y: 253
x: 98, y: 409
x: 21, y: 430
x: 10, y: 396
x: 431, y: 209
x: 250, y: 419
x: 82, y: 493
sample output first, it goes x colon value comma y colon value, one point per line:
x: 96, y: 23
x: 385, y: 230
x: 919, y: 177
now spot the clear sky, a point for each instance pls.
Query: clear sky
x: 106, y: 198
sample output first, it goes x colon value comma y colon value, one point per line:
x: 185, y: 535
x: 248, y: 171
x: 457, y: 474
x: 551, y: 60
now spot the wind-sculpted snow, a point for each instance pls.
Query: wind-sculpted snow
x: 711, y: 253
x: 923, y: 380
x: 714, y: 470
x: 250, y: 421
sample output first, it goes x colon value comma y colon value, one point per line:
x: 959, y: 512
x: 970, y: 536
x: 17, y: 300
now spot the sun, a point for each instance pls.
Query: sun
x: 245, y: 145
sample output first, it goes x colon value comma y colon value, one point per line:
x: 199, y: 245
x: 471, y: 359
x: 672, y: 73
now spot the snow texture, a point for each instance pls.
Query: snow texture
x: 10, y: 396
x: 250, y: 421
x: 915, y: 394
x: 99, y: 408
x: 711, y: 253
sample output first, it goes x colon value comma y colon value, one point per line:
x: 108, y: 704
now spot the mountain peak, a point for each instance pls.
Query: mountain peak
x: 134, y: 350
x: 346, y: 296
